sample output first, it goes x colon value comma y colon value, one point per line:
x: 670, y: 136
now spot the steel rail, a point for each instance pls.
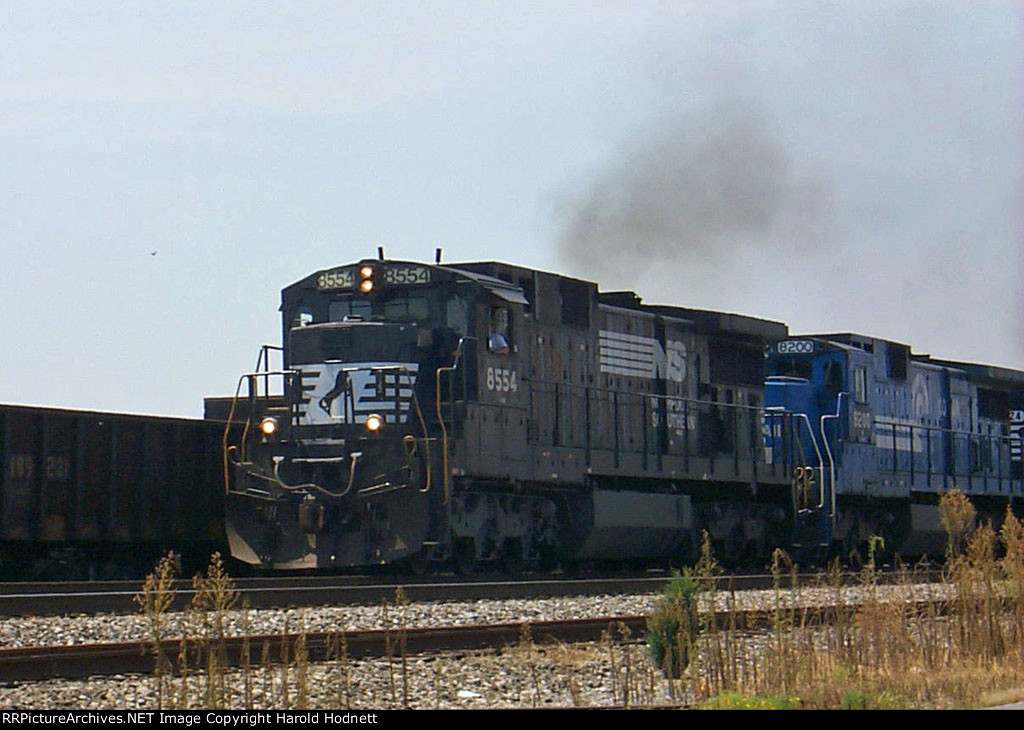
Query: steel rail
x: 132, y: 657
x: 120, y: 599
x: 47, y: 599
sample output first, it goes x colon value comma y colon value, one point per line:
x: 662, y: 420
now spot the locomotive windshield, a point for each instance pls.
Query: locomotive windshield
x: 394, y: 309
x: 353, y: 342
x: 400, y: 324
x: 793, y: 368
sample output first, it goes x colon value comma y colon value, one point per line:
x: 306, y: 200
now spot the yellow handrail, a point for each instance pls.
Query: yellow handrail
x: 444, y: 431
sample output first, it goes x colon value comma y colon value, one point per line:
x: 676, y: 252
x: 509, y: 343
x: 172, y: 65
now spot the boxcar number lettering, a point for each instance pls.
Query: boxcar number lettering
x: 502, y: 380
x: 20, y: 466
x: 58, y: 467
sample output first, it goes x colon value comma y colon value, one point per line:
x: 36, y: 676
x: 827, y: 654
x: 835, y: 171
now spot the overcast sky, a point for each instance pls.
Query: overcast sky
x: 848, y: 166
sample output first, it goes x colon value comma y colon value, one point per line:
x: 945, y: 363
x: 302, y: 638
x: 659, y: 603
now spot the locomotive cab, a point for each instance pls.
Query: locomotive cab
x: 339, y: 459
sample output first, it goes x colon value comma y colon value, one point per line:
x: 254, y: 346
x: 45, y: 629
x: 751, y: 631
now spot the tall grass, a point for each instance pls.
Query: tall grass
x: 213, y: 597
x: 827, y: 645
x: 155, y: 600
x: 883, y: 647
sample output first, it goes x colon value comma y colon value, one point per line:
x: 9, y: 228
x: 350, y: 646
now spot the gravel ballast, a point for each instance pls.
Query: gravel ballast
x: 521, y: 676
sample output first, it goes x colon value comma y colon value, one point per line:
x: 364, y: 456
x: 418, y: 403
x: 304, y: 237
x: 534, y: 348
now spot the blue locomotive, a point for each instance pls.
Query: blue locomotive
x: 878, y: 433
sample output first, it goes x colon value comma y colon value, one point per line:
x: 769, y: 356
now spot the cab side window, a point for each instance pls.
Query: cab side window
x: 499, y: 338
x: 860, y: 384
x: 833, y: 377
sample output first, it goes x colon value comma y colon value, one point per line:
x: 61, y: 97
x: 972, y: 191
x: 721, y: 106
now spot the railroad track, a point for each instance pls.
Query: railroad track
x: 46, y: 600
x: 82, y: 660
x: 139, y: 657
x: 49, y: 599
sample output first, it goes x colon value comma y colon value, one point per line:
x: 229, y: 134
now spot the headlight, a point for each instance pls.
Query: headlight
x: 366, y: 273
x: 268, y: 426
x: 374, y: 422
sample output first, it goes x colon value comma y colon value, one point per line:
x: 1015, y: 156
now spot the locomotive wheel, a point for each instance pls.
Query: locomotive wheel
x: 464, y: 556
x: 849, y: 551
x: 546, y: 560
x: 512, y: 557
x: 571, y: 567
x: 418, y: 564
x: 855, y: 557
x: 733, y: 548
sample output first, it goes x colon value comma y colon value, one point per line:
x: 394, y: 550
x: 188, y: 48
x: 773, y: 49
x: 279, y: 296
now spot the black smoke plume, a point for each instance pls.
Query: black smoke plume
x: 698, y: 190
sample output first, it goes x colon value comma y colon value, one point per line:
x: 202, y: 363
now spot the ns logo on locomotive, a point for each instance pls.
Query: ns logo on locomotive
x: 483, y: 413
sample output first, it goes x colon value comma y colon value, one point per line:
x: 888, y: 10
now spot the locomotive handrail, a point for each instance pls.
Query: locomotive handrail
x: 264, y: 357
x: 781, y: 410
x: 445, y: 477
x: 354, y: 456
x: 828, y: 450
x: 261, y: 373
x: 374, y: 368
x: 955, y: 468
x: 664, y: 396
x: 735, y: 415
x: 231, y: 412
x: 416, y: 403
x: 349, y: 400
x: 426, y: 441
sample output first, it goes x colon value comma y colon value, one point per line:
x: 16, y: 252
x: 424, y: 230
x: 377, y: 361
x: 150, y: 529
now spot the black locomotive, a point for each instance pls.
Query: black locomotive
x: 485, y: 413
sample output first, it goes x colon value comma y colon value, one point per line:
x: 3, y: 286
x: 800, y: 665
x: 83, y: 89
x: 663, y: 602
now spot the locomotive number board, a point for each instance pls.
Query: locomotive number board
x: 337, y: 278
x: 347, y: 277
x: 795, y: 347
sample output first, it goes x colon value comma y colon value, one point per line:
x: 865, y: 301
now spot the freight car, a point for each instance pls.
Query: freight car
x: 483, y: 414
x: 102, y: 495
x: 882, y: 432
